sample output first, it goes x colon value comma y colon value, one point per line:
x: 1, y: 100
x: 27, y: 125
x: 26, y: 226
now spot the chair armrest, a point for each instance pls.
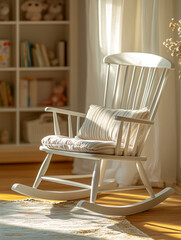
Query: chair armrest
x: 64, y: 111
x: 69, y: 113
x: 134, y: 120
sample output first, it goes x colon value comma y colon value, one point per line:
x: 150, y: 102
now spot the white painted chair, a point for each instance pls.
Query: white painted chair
x: 134, y: 81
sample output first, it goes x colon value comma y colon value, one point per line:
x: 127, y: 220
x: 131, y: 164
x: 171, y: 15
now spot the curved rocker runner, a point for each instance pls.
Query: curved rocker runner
x: 128, y: 209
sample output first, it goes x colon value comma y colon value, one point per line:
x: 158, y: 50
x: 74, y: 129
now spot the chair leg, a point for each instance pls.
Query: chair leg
x: 102, y: 172
x: 144, y: 179
x: 95, y: 181
x: 42, y: 170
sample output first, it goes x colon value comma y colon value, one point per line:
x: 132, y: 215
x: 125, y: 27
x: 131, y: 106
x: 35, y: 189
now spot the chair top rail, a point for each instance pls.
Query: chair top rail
x: 138, y: 59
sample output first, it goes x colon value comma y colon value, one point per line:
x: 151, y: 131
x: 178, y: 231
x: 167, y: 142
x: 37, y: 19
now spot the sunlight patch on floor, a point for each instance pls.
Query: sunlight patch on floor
x: 163, y: 226
x: 11, y: 197
x: 118, y: 196
x: 170, y: 230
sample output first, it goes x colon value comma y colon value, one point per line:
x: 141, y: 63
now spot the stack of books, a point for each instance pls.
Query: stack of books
x: 6, y: 94
x: 33, y: 91
x: 37, y: 55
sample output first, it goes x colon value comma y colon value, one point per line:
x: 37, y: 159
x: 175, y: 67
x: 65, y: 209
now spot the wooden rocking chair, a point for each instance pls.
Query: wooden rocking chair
x: 135, y: 81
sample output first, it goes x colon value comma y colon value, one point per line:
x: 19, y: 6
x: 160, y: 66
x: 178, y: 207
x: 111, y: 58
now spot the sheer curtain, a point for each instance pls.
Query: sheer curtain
x: 141, y: 26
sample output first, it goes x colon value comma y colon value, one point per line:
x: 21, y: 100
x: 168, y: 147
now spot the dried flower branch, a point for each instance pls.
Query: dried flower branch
x: 174, y: 46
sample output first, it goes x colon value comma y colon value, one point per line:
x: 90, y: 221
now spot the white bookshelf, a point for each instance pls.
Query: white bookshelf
x: 49, y: 33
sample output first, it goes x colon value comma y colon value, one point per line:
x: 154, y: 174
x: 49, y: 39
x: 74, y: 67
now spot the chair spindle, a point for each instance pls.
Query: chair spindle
x: 56, y: 124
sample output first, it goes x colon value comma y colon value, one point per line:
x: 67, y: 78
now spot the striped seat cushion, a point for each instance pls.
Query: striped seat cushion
x: 63, y: 143
x: 99, y: 132
x: 100, y: 123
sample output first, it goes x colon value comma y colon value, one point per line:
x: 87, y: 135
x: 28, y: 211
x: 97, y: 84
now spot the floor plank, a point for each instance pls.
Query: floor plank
x: 161, y: 222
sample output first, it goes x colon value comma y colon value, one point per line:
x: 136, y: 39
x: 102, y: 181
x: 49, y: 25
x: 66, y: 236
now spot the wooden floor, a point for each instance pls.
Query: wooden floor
x: 161, y: 222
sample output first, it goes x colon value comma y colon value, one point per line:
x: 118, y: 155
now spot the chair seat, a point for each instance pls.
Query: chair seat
x: 76, y: 144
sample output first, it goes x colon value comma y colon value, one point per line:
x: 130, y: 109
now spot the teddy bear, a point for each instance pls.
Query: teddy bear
x: 33, y: 9
x: 58, y: 97
x: 4, y: 11
x: 55, y: 10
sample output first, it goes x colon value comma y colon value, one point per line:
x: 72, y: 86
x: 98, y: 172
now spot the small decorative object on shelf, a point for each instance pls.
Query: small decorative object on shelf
x: 33, y: 9
x: 4, y: 11
x: 5, y: 50
x: 58, y: 98
x: 55, y: 10
x: 4, y: 136
x: 174, y: 46
x: 53, y: 60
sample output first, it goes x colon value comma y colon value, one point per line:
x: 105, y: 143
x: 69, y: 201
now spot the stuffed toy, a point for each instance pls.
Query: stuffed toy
x: 53, y: 60
x: 4, y: 11
x: 33, y: 9
x: 58, y: 97
x: 55, y: 10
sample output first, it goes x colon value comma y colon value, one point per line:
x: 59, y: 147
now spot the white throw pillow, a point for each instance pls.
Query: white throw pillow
x: 100, y: 123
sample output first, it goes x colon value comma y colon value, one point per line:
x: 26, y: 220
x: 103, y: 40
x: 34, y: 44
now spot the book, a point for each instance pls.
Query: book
x: 33, y: 92
x: 34, y: 56
x: 3, y: 93
x: 39, y: 55
x: 29, y: 55
x: 25, y: 57
x: 24, y: 93
x: 5, y: 53
x: 61, y: 52
x: 22, y: 56
x: 1, y: 103
x: 44, y: 55
x: 9, y: 95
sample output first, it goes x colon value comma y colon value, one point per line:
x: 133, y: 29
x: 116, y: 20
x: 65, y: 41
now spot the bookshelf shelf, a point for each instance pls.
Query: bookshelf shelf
x: 9, y: 109
x: 44, y: 69
x: 44, y: 23
x: 49, y: 34
x: 7, y: 146
x: 9, y: 69
x: 8, y: 23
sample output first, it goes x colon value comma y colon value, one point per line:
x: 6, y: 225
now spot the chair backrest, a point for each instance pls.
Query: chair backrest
x: 135, y: 80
